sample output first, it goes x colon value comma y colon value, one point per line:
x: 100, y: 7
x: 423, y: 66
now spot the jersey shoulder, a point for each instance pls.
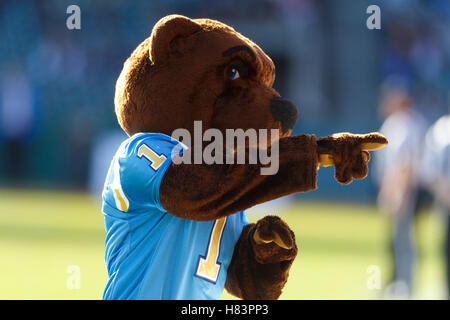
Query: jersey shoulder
x: 137, y: 170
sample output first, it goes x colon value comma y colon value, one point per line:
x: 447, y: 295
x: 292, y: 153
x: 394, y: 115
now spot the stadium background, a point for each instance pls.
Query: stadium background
x: 328, y: 62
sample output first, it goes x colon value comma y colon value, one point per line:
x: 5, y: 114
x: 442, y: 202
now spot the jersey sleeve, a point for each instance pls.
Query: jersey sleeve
x: 138, y: 169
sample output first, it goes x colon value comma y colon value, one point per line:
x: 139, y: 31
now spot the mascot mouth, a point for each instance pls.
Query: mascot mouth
x: 285, y: 112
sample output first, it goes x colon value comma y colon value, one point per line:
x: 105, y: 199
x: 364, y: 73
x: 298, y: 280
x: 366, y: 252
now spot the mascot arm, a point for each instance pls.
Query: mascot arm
x: 261, y: 260
x: 208, y: 192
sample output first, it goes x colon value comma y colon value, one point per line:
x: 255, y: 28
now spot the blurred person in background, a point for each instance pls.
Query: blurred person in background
x: 397, y: 172
x: 435, y: 174
x: 17, y: 121
x: 103, y: 149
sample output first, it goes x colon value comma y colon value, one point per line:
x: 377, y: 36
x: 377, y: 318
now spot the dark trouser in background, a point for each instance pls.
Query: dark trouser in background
x: 14, y: 160
x: 403, y: 242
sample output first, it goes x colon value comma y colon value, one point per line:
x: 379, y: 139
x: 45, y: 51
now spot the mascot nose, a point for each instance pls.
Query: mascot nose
x: 284, y: 111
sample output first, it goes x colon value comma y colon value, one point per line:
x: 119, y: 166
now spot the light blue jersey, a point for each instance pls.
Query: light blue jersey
x: 151, y: 254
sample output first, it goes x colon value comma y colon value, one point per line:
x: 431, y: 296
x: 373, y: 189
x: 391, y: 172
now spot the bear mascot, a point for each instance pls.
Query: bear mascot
x: 177, y: 230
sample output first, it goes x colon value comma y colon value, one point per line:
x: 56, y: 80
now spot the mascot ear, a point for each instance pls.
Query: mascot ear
x: 165, y: 31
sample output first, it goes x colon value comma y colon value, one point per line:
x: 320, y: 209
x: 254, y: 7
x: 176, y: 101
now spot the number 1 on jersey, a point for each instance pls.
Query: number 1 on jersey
x: 208, y: 267
x: 155, y: 159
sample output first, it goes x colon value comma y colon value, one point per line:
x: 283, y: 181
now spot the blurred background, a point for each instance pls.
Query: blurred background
x: 383, y: 237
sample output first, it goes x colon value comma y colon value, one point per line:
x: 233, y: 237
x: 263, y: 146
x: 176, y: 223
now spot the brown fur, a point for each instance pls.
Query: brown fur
x: 349, y: 157
x: 178, y: 76
x: 212, y: 191
x: 260, y: 271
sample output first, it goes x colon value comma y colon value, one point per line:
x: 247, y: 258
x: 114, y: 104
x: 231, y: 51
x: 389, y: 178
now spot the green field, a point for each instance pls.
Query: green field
x: 42, y: 234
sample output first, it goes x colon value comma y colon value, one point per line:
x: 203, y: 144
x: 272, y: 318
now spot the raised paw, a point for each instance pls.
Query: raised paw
x: 349, y: 153
x: 274, y: 240
x: 273, y: 229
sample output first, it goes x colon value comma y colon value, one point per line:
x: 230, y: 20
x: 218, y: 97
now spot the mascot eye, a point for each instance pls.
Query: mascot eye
x: 235, y: 71
x: 234, y: 74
